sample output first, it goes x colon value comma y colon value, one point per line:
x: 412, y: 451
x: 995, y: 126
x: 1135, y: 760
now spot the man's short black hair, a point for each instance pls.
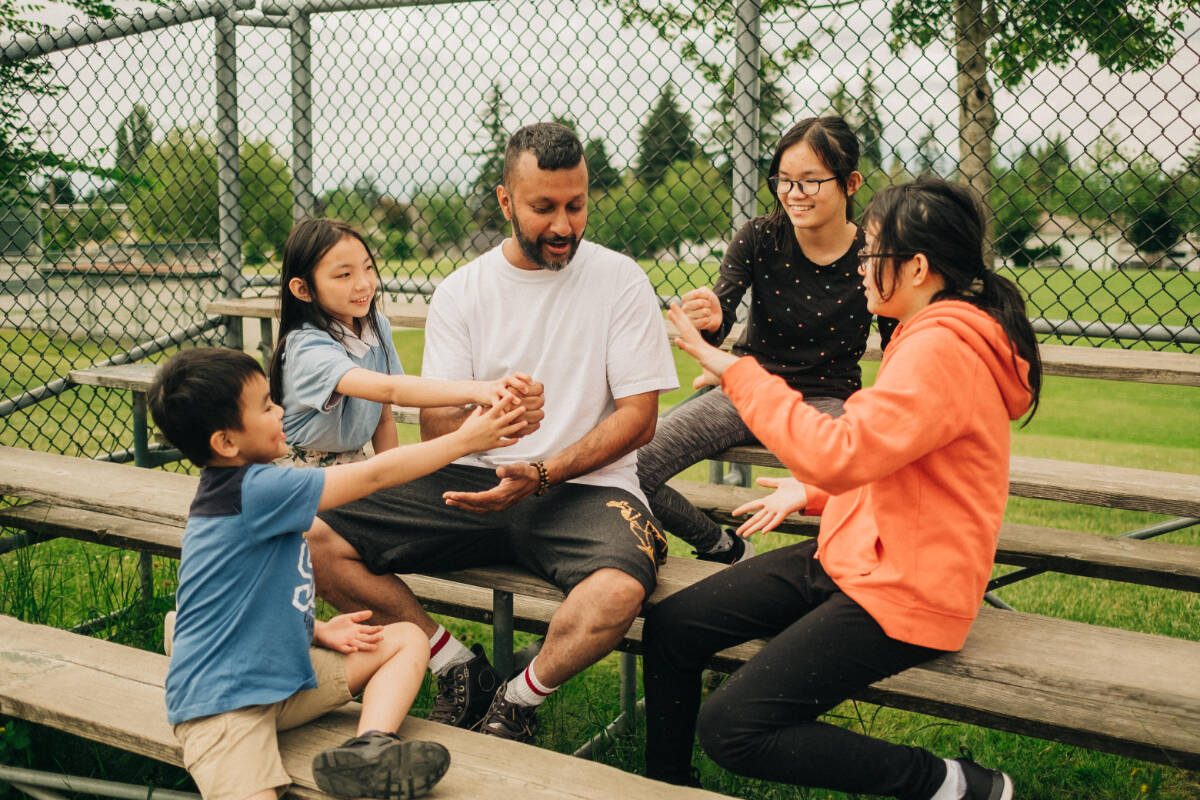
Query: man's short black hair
x: 554, y: 145
x: 197, y: 393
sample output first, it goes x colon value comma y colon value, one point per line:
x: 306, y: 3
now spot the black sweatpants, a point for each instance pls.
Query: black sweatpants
x: 762, y: 722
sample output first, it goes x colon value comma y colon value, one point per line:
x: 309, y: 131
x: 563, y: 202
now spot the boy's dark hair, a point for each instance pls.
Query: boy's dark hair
x: 554, y: 145
x: 197, y: 393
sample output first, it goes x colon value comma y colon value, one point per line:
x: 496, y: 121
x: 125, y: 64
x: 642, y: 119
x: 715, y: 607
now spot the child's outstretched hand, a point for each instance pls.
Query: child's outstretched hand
x: 714, y: 360
x: 789, y: 496
x: 492, y: 427
x: 493, y: 393
x: 346, y: 633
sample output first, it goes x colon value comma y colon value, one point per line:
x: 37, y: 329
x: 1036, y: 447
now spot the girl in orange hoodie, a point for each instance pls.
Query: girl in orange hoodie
x: 911, y: 484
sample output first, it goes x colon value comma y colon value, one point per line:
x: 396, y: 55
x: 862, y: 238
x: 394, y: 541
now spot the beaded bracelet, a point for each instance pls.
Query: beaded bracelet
x: 543, y: 477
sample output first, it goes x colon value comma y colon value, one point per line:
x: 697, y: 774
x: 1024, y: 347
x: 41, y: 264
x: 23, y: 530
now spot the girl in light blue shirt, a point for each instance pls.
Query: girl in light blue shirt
x: 335, y: 370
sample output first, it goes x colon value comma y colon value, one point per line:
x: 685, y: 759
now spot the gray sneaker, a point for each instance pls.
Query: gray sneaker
x: 984, y: 783
x: 380, y: 765
x: 509, y: 720
x: 465, y: 692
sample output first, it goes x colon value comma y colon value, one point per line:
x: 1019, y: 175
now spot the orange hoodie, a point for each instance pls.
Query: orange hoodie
x: 912, y: 480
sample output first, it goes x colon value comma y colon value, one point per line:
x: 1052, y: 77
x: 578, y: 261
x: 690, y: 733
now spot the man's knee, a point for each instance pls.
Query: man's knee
x: 327, y: 550
x: 615, y: 593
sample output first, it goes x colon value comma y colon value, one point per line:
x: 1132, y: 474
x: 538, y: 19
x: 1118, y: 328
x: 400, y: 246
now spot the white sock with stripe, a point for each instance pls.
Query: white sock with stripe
x: 445, y: 651
x: 526, y: 689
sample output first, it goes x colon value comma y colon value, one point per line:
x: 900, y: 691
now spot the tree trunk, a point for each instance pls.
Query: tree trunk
x: 976, y: 110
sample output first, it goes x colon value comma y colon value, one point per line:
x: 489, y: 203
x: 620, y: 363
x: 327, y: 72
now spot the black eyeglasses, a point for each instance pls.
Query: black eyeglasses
x: 808, y: 187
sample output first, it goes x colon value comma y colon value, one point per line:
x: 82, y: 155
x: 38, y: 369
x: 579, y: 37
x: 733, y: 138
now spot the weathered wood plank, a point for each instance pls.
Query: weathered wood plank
x: 134, y: 377
x: 1173, y: 493
x: 400, y: 313
x: 120, y: 489
x: 42, y: 519
x: 1150, y: 563
x: 112, y: 693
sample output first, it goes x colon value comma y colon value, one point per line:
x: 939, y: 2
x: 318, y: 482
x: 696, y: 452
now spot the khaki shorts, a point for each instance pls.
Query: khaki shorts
x: 236, y: 754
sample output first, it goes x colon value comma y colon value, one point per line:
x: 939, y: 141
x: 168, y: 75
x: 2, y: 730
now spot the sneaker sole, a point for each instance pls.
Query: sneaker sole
x: 398, y: 772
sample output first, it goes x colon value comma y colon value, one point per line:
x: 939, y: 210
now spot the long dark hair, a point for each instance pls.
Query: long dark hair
x: 945, y: 221
x: 833, y: 143
x: 308, y: 242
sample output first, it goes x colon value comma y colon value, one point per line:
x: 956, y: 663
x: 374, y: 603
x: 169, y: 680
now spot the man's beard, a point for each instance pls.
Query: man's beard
x: 532, y: 248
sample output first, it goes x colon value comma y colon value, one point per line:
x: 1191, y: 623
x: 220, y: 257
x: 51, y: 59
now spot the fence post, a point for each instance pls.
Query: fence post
x: 229, y: 188
x: 303, y: 199
x: 744, y: 152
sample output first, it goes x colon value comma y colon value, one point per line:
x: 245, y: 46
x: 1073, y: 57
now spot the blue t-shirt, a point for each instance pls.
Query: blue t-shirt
x: 315, y: 416
x: 246, y: 592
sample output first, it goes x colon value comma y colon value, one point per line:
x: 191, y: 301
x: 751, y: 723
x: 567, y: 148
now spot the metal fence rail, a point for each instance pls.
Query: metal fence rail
x: 155, y: 161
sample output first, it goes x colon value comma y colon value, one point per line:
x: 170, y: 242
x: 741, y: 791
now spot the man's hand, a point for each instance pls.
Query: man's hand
x: 345, y: 633
x: 703, y: 308
x: 534, y: 400
x: 517, y: 481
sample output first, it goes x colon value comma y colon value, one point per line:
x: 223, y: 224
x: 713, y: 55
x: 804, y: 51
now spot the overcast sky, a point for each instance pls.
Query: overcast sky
x: 399, y: 92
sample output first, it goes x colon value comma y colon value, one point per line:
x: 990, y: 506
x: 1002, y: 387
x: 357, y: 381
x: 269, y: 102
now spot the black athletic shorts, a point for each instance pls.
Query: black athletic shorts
x: 562, y: 536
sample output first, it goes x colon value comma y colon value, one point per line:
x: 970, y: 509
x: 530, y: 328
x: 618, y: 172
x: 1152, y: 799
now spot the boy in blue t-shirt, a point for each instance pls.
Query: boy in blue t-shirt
x: 248, y: 658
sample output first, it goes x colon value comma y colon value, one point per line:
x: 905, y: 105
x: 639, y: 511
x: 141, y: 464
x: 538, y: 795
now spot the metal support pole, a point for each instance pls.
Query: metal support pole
x: 103, y: 788
x: 744, y: 158
x: 502, y: 632
x: 303, y: 199
x: 229, y: 207
x: 628, y: 685
x: 76, y: 34
x: 141, y: 458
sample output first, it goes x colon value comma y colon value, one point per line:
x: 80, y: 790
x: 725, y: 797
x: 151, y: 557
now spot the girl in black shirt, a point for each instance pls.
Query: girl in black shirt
x: 807, y: 322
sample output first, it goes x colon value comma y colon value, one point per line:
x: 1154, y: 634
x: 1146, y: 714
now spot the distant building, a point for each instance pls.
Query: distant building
x: 1073, y: 243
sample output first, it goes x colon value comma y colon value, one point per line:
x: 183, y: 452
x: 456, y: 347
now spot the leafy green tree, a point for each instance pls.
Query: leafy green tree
x: 266, y: 200
x: 1009, y: 39
x: 488, y: 214
x: 666, y: 137
x: 20, y: 157
x: 134, y: 135
x: 178, y: 202
x: 862, y: 115
x: 602, y: 175
x: 774, y: 109
x: 443, y: 219
x: 1006, y: 40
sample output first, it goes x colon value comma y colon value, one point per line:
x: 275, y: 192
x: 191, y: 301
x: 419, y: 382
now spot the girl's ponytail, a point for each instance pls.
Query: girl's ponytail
x: 945, y: 221
x: 1002, y: 299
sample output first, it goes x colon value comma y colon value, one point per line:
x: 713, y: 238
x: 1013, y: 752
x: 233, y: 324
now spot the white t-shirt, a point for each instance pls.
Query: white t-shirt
x: 591, y: 332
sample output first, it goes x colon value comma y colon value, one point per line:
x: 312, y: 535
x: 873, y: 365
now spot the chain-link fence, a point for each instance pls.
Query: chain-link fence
x: 154, y: 162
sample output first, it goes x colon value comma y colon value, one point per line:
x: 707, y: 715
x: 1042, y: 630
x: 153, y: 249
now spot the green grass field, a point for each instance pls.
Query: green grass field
x: 1155, y: 427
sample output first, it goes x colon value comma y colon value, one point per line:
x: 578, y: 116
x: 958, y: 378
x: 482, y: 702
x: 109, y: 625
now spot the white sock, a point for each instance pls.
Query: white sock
x: 526, y: 689
x: 954, y: 787
x: 445, y: 651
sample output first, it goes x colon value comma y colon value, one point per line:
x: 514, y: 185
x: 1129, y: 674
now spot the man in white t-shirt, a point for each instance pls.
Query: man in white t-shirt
x: 564, y: 500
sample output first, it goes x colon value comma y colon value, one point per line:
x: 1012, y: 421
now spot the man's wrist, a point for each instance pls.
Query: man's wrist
x: 543, y: 477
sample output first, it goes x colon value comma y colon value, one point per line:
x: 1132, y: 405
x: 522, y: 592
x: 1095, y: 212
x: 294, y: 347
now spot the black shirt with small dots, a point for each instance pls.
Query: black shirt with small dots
x: 807, y: 322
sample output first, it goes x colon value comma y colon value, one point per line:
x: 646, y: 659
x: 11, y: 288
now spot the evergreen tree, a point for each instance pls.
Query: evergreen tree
x: 665, y: 138
x: 601, y: 173
x: 491, y: 173
x: 134, y: 135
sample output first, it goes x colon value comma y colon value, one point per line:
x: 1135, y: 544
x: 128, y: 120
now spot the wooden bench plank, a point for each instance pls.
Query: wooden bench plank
x: 114, y: 694
x: 1173, y: 493
x: 1072, y: 361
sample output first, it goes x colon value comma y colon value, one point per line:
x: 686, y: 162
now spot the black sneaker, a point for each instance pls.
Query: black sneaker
x: 739, y: 551
x: 984, y: 783
x: 380, y: 765
x: 509, y: 720
x: 466, y: 691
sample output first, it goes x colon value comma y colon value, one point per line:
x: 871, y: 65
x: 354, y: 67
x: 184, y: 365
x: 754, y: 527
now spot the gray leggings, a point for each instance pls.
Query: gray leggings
x: 693, y: 431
